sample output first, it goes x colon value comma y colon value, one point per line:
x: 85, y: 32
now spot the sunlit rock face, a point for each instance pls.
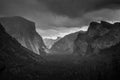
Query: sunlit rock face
x: 65, y: 45
x: 99, y: 36
x: 24, y: 31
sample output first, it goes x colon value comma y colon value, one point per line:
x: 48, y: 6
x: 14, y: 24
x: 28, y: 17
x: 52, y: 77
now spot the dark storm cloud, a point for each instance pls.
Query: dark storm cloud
x: 10, y: 7
x: 53, y: 8
x: 70, y: 8
x: 55, y: 16
x: 75, y: 8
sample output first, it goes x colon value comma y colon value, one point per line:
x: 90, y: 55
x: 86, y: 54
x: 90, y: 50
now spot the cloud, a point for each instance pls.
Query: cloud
x: 59, y: 32
x: 103, y: 14
x: 53, y: 17
x: 37, y: 12
x: 75, y: 8
x: 48, y: 14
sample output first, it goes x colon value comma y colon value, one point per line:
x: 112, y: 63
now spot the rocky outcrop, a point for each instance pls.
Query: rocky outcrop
x: 65, y: 44
x: 99, y: 36
x: 24, y: 31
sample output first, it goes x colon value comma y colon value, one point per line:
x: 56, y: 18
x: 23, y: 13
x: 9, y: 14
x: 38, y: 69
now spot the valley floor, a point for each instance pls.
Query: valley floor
x: 67, y: 67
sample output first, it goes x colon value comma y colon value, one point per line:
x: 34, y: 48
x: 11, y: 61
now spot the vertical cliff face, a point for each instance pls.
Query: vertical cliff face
x: 99, y: 36
x: 24, y: 31
x: 15, y: 60
x: 11, y: 48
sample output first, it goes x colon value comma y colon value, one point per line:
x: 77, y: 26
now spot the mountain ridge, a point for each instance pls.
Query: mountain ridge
x: 13, y: 56
x: 24, y: 31
x: 66, y: 43
x: 19, y: 63
x: 99, y: 36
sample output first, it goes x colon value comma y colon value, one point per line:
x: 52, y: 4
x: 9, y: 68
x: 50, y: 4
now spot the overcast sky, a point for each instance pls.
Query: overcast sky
x: 59, y: 17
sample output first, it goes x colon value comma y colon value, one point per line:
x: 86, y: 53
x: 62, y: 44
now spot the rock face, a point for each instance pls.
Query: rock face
x: 24, y: 31
x: 99, y: 36
x: 65, y: 44
x: 14, y: 58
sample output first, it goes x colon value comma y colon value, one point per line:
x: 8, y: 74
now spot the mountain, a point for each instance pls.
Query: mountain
x: 24, y: 31
x: 14, y: 58
x: 97, y: 51
x: 99, y: 36
x: 19, y: 63
x: 49, y: 42
x: 65, y: 44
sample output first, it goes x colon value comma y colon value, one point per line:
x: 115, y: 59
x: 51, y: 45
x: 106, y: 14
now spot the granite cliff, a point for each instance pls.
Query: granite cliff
x: 24, y: 32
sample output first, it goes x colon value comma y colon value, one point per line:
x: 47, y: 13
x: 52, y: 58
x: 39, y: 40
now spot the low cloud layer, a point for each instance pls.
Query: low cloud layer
x: 59, y: 32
